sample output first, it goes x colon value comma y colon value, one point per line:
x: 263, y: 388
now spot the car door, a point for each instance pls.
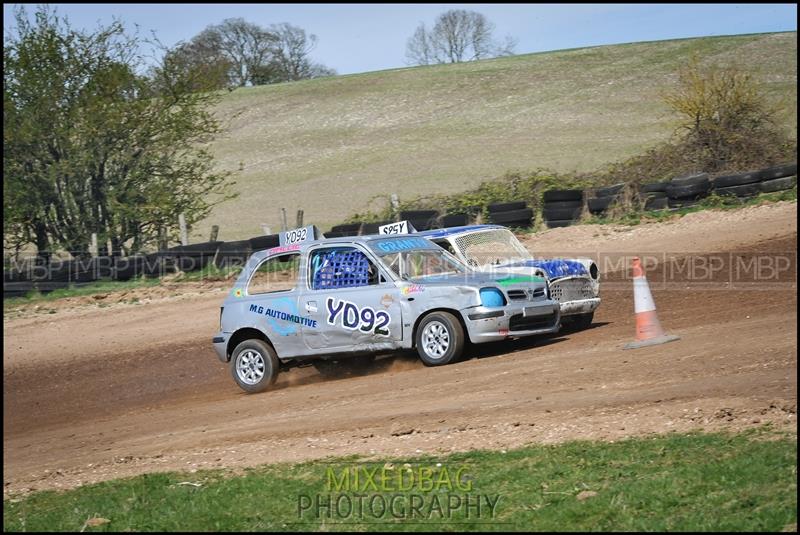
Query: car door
x: 354, y: 304
x: 270, y: 302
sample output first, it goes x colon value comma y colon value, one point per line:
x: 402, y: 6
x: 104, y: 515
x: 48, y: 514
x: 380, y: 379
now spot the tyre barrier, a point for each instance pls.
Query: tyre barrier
x: 556, y: 214
x: 521, y: 218
x: 561, y: 208
x: 560, y: 223
x: 143, y: 265
x: 259, y: 243
x: 740, y: 179
x: 698, y: 187
x: 346, y: 229
x: 682, y: 203
x: 600, y: 204
x: 654, y: 187
x: 778, y: 184
x: 656, y: 203
x: 562, y: 195
x: 421, y: 219
x: 744, y: 190
x: 371, y: 228
x: 779, y: 171
x: 609, y: 191
x: 233, y: 254
x: 192, y: 257
x: 454, y: 220
x: 689, y: 179
x: 507, y: 206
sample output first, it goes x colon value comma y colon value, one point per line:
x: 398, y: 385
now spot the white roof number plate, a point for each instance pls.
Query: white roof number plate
x: 401, y: 227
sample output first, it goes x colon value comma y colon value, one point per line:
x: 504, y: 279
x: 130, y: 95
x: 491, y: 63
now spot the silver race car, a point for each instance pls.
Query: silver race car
x: 313, y: 298
x: 574, y: 283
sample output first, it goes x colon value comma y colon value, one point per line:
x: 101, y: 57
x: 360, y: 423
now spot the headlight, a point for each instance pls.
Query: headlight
x: 492, y: 297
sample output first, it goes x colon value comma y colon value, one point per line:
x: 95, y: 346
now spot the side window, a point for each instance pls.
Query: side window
x: 446, y: 245
x: 278, y: 274
x: 341, y: 267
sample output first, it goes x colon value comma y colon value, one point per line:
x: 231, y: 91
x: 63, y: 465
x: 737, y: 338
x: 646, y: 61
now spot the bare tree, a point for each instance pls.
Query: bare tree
x: 243, y: 53
x: 292, y: 48
x: 458, y: 35
x: 246, y: 45
x: 418, y: 49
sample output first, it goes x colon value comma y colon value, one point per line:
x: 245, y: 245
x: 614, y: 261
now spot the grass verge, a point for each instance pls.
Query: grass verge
x: 721, y: 482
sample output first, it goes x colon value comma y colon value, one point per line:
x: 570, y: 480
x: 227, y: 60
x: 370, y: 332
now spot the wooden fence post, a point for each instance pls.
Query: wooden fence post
x: 299, y: 219
x: 214, y: 233
x: 285, y: 227
x: 184, y: 231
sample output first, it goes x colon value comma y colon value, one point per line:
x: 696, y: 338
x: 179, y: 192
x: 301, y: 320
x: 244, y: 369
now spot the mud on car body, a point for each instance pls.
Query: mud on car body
x: 574, y: 283
x: 327, y: 298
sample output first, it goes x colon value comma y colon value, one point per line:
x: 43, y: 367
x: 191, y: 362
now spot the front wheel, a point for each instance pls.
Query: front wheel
x: 580, y: 322
x: 254, y: 366
x: 440, y: 339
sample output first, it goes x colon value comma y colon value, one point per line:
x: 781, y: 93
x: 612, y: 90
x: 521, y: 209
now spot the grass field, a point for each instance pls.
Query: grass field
x: 330, y: 146
x: 717, y: 482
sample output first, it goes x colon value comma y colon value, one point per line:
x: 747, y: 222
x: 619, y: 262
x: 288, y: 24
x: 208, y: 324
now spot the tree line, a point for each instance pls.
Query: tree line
x: 99, y: 140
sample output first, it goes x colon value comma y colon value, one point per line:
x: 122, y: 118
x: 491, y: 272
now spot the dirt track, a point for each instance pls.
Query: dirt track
x: 91, y: 394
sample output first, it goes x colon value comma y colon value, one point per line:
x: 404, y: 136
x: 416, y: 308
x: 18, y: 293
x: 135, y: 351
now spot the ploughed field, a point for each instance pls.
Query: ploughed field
x: 95, y: 393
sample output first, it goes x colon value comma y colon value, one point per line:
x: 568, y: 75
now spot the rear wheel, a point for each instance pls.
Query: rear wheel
x: 254, y: 366
x: 440, y: 339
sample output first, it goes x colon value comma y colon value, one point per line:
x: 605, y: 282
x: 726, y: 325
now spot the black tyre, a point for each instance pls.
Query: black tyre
x: 259, y: 243
x: 372, y: 228
x: 347, y: 227
x: 254, y: 365
x: 562, y: 195
x: 419, y: 214
x: 654, y: 187
x: 439, y: 339
x: 682, y: 203
x: 233, y: 253
x: 779, y: 171
x: 690, y: 179
x: 778, y: 184
x: 561, y: 213
x: 563, y: 204
x: 747, y: 190
x: 654, y: 195
x: 455, y: 220
x: 741, y: 179
x: 656, y: 203
x: 424, y: 223
x: 689, y: 191
x: 609, y: 191
x: 334, y: 234
x: 600, y: 205
x: 507, y: 206
x: 578, y: 322
x: 17, y: 289
x: 559, y: 223
x: 513, y: 218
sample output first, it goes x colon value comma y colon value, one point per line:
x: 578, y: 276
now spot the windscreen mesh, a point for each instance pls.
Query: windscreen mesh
x: 496, y: 246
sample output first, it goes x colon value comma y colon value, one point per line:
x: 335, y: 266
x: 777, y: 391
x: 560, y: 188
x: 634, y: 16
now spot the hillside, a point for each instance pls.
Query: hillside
x: 331, y: 145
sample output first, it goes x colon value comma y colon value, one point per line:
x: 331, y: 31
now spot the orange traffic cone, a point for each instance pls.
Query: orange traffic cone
x: 648, y: 328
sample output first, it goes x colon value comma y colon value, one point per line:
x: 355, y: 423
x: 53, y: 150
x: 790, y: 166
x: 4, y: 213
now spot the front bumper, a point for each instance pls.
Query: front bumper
x: 491, y: 324
x: 579, y: 306
x: 220, y: 342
